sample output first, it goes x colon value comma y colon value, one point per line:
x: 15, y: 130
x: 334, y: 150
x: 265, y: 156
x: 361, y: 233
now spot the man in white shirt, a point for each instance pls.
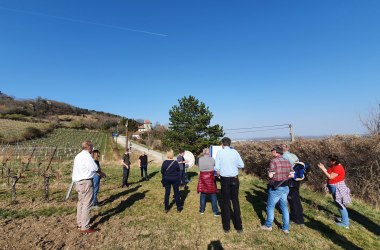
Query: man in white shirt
x: 84, y: 170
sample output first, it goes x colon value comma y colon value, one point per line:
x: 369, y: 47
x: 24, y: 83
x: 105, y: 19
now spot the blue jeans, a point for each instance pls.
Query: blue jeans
x: 274, y: 196
x: 214, y: 203
x: 96, y: 183
x: 342, y: 210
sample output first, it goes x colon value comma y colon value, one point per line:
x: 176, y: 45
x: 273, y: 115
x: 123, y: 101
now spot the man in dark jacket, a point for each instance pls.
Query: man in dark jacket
x: 126, y: 167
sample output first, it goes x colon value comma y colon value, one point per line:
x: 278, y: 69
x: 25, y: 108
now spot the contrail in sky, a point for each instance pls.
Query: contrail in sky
x: 82, y: 21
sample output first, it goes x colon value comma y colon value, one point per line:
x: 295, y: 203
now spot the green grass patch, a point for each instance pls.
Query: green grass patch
x: 134, y: 218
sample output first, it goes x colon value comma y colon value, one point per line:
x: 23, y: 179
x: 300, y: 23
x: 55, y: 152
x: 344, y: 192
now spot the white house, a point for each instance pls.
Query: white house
x: 147, y: 126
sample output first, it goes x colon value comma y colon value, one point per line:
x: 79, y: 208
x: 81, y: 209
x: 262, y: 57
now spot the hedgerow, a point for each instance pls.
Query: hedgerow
x: 359, y: 155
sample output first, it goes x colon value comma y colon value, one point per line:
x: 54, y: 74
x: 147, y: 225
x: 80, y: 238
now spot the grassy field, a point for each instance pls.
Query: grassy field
x: 12, y: 131
x: 134, y: 219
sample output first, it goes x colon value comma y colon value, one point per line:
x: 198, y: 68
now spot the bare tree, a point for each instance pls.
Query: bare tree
x: 372, y: 122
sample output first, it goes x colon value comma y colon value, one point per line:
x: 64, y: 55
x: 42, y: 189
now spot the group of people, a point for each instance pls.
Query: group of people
x: 126, y: 163
x: 225, y: 168
x: 282, y: 186
x: 86, y: 175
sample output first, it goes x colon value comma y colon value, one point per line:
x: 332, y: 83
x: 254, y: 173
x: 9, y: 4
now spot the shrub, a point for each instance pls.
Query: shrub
x: 32, y: 132
x: 359, y: 155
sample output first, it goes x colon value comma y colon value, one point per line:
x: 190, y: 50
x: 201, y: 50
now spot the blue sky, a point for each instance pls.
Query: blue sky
x: 314, y: 64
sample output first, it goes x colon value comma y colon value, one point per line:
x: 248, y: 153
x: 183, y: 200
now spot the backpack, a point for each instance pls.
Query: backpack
x: 300, y: 170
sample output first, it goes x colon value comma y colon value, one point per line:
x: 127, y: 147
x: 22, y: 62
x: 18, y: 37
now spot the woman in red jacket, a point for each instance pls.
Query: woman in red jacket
x: 206, y: 182
x: 337, y: 187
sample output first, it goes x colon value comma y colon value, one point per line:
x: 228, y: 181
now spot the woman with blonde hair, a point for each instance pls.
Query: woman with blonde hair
x: 171, y: 177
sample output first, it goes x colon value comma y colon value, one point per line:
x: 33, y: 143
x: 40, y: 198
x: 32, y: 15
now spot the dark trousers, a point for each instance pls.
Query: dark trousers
x: 230, y: 193
x: 296, y: 210
x: 125, y: 176
x: 175, y: 184
x: 182, y: 174
x: 144, y: 170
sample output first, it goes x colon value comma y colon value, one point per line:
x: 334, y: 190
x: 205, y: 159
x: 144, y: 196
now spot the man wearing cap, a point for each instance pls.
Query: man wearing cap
x: 279, y: 172
x: 227, y: 164
x: 84, y: 170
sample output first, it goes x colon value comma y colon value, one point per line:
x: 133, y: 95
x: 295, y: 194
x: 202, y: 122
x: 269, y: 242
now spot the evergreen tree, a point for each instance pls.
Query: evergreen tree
x: 190, y: 128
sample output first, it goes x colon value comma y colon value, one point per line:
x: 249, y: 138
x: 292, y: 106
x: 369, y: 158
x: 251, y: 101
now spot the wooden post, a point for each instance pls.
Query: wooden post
x: 46, y: 185
x: 14, y: 182
x: 126, y: 135
x: 291, y: 133
x: 8, y: 175
x: 47, y: 176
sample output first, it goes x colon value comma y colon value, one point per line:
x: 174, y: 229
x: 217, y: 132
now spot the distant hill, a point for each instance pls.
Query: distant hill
x: 59, y: 113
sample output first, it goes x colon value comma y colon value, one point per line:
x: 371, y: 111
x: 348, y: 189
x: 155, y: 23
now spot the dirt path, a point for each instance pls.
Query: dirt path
x: 159, y: 157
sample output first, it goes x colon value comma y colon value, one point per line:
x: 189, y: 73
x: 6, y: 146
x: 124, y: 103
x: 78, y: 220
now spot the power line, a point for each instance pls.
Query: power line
x: 270, y: 126
x: 258, y: 130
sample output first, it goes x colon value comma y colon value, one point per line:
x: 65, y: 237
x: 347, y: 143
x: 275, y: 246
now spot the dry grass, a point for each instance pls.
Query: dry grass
x: 12, y: 131
x: 134, y: 219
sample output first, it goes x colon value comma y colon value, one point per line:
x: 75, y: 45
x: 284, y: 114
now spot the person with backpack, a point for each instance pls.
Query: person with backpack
x: 280, y: 170
x: 338, y: 189
x: 296, y: 210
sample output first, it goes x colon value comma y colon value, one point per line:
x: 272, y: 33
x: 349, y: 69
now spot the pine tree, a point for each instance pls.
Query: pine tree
x: 189, y: 127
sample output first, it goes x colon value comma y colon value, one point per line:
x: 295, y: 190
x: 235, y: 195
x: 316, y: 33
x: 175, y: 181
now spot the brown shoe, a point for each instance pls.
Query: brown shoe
x: 89, y: 231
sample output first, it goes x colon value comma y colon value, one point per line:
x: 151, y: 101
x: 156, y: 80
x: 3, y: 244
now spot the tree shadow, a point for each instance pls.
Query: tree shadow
x: 114, y: 197
x: 215, y: 245
x: 330, y: 234
x: 364, y: 221
x: 120, y: 208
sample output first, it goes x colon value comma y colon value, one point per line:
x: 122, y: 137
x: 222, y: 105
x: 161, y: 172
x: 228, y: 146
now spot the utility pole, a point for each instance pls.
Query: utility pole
x: 126, y: 135
x: 291, y: 133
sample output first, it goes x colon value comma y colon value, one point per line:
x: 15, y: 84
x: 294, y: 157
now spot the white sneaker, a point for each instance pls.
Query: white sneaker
x: 263, y: 227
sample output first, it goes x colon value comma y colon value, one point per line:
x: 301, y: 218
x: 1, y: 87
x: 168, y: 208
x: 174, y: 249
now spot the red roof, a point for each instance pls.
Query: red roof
x: 147, y: 122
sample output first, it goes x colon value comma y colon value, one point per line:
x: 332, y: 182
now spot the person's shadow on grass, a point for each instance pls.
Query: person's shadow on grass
x: 151, y: 175
x: 183, y: 195
x: 364, y: 221
x: 120, y: 208
x: 258, y: 199
x: 353, y: 215
x: 215, y: 245
x: 329, y: 233
x: 114, y: 197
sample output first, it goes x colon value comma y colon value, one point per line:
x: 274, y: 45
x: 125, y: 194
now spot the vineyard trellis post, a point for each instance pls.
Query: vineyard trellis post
x: 16, y: 178
x: 4, y: 165
x: 47, y: 176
